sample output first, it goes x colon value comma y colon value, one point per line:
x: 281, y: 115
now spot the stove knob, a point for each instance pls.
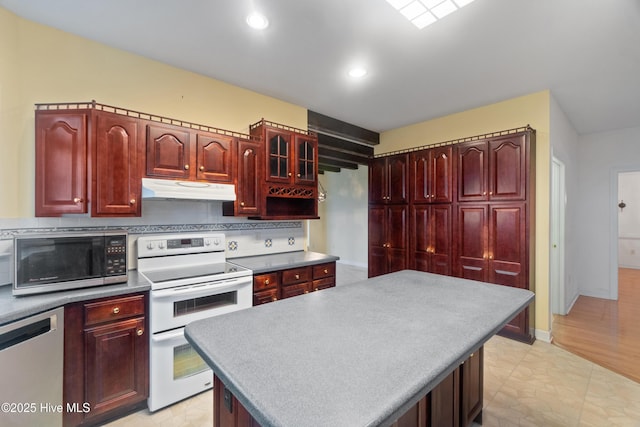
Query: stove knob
x: 150, y: 245
x: 216, y: 241
x: 207, y: 242
x: 161, y: 245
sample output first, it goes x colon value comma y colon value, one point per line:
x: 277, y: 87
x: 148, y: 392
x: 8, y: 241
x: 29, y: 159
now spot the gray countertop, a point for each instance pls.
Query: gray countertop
x: 354, y: 355
x: 282, y: 261
x: 13, y: 308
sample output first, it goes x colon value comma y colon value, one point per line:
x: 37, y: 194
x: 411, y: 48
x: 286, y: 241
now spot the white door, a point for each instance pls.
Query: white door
x: 556, y: 252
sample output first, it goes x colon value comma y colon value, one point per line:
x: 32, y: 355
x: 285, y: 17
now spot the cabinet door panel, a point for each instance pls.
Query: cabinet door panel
x: 306, y: 160
x: 116, y: 365
x: 377, y: 226
x: 440, y: 239
x: 398, y: 176
x: 471, y: 389
x: 472, y: 167
x: 444, y: 402
x: 377, y: 261
x: 214, y: 157
x: 117, y: 182
x: 397, y: 227
x: 168, y: 152
x: 472, y: 242
x: 441, y: 175
x: 507, y: 165
x: 420, y: 237
x: 278, y: 154
x: 419, y: 178
x: 377, y: 181
x: 249, y: 178
x: 506, y: 252
x: 61, y: 164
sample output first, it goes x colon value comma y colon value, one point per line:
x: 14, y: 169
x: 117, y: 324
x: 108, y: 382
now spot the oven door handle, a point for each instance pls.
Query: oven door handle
x: 206, y: 289
x: 178, y: 334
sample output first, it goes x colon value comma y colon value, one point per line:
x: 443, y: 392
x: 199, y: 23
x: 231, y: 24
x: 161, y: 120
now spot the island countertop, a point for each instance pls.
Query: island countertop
x: 354, y: 355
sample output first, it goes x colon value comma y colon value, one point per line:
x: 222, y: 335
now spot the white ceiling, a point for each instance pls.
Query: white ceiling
x: 587, y: 52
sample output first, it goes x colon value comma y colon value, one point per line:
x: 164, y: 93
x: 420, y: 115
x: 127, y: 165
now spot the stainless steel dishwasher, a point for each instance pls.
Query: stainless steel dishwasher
x: 31, y: 367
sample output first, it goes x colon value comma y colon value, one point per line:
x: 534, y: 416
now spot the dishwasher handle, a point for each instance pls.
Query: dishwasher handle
x: 28, y: 332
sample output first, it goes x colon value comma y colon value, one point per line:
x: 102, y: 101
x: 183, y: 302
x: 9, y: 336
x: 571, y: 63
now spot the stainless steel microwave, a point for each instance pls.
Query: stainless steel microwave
x: 59, y: 261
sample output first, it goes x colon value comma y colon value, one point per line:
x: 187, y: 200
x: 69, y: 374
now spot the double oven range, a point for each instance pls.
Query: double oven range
x: 190, y: 280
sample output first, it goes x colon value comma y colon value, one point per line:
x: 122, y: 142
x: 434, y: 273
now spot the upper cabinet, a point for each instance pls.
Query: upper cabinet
x: 431, y: 175
x: 61, y: 162
x: 290, y: 187
x: 249, y: 163
x: 69, y: 144
x: 388, y: 180
x: 494, y: 169
x: 178, y: 152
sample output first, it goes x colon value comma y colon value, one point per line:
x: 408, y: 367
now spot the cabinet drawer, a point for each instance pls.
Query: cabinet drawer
x: 265, y: 281
x: 325, y: 283
x: 296, y: 275
x: 263, y: 297
x: 324, y: 270
x: 295, y: 290
x: 113, y: 309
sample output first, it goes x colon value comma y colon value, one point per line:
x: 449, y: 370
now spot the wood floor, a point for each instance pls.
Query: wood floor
x: 603, y: 331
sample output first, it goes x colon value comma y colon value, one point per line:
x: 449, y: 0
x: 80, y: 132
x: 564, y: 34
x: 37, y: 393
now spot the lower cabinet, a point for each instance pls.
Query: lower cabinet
x: 455, y: 402
x: 269, y: 287
x: 106, y: 360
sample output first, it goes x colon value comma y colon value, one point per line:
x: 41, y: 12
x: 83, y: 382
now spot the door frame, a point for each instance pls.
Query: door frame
x: 557, y: 239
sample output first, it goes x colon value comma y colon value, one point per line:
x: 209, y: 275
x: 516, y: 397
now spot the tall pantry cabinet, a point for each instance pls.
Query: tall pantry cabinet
x: 470, y: 213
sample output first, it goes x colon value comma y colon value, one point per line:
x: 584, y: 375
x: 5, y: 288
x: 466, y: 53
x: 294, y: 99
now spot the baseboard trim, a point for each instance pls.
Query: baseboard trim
x: 544, y: 336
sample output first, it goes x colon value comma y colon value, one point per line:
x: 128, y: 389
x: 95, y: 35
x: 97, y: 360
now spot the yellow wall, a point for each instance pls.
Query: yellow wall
x: 533, y: 110
x: 40, y: 64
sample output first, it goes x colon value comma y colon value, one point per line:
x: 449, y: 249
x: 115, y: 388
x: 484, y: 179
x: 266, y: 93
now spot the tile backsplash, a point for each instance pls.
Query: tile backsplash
x: 243, y: 237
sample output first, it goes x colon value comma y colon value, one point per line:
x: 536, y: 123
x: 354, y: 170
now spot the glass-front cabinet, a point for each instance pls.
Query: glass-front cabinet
x: 279, y: 149
x: 306, y: 160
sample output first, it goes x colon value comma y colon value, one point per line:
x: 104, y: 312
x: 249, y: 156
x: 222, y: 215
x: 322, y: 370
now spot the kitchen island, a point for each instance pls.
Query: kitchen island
x: 356, y: 355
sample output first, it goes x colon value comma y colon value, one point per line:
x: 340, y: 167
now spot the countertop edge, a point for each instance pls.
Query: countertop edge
x: 13, y: 308
x: 260, y: 264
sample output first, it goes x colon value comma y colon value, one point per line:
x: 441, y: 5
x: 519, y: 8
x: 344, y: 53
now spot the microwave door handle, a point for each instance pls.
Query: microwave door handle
x: 177, y: 335
x: 196, y: 289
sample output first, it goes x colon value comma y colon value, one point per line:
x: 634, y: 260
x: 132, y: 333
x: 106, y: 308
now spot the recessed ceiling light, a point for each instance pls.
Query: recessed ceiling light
x: 257, y: 21
x: 357, y: 72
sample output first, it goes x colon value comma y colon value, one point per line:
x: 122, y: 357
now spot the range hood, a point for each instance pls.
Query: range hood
x: 191, y: 190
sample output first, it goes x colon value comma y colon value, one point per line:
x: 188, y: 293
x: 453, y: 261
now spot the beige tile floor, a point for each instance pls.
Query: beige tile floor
x: 538, y: 385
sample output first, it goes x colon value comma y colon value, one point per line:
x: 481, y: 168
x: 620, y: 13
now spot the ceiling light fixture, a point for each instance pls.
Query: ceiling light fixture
x: 357, y: 72
x: 425, y: 12
x: 257, y: 21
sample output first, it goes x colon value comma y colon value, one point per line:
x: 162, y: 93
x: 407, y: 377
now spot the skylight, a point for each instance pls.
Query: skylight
x: 425, y: 12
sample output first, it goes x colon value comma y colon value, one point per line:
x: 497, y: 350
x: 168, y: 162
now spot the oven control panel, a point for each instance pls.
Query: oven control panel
x: 176, y: 244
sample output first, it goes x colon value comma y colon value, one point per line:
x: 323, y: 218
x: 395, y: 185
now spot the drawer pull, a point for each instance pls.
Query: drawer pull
x: 297, y: 276
x: 306, y: 291
x: 266, y: 282
x: 139, y: 332
x: 274, y: 299
x: 116, y: 310
x: 326, y: 271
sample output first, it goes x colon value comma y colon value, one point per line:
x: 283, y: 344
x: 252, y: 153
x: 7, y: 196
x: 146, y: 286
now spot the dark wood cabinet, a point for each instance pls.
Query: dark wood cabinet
x: 470, y: 209
x: 389, y: 179
x: 494, y: 169
x: 116, y: 179
x: 388, y: 239
x: 431, y: 238
x: 168, y: 151
x: 61, y: 162
x: 215, y: 156
x: 471, y: 389
x: 444, y: 402
x: 289, y: 189
x: 86, y: 157
x: 248, y: 180
x: 106, y: 362
x: 431, y: 175
x: 275, y: 285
